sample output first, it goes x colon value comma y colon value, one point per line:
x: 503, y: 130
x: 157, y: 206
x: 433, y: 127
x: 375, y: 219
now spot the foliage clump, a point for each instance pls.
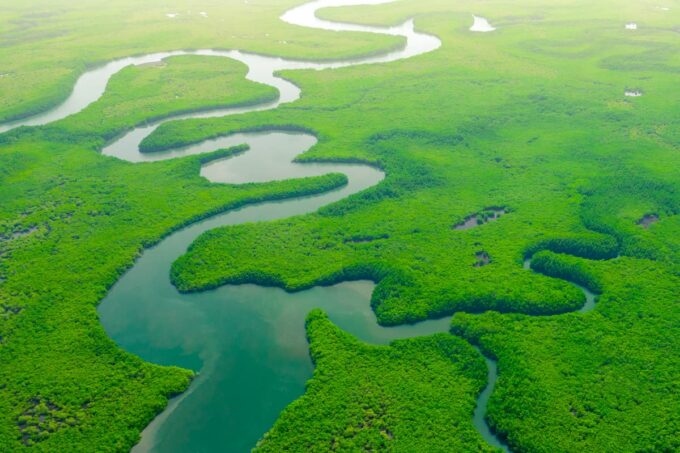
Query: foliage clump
x: 43, y: 418
x: 566, y: 267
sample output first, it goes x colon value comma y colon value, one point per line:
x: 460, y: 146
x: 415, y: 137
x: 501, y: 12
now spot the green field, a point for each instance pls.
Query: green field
x: 531, y: 118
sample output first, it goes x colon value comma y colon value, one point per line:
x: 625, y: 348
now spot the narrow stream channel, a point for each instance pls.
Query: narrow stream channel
x: 248, y: 342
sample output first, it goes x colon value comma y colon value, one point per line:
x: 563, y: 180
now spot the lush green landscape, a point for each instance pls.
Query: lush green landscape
x: 591, y: 381
x: 530, y: 118
x: 46, y: 46
x: 383, y: 398
x: 72, y: 223
x: 177, y: 85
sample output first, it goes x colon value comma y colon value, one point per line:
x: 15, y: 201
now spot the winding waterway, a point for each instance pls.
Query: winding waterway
x: 247, y: 342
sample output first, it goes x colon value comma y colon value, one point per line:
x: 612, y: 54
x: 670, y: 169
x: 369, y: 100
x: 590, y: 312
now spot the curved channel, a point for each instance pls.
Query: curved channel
x: 262, y: 68
x: 479, y: 417
x: 247, y: 341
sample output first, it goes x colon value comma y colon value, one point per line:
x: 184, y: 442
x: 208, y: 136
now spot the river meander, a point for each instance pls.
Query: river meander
x: 247, y: 342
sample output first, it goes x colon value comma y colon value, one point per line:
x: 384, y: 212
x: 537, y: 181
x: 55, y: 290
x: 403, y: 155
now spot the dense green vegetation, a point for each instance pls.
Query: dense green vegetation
x: 517, y: 154
x: 565, y: 267
x: 531, y: 117
x: 45, y: 46
x: 576, y: 164
x: 414, y: 395
x: 52, y: 347
x: 71, y: 222
x: 176, y: 85
x: 604, y: 381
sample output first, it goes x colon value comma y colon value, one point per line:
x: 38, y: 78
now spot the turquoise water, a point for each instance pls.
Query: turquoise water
x: 247, y: 341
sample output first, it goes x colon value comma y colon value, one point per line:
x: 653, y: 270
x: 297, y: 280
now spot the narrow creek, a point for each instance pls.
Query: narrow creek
x: 247, y: 342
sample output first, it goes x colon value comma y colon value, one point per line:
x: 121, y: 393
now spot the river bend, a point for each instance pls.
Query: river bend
x: 248, y: 342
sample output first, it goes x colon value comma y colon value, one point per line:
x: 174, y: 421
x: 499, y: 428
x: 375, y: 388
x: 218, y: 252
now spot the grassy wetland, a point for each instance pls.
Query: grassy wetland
x: 531, y: 120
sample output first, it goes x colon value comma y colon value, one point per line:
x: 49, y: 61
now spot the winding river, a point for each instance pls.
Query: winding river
x: 247, y: 341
